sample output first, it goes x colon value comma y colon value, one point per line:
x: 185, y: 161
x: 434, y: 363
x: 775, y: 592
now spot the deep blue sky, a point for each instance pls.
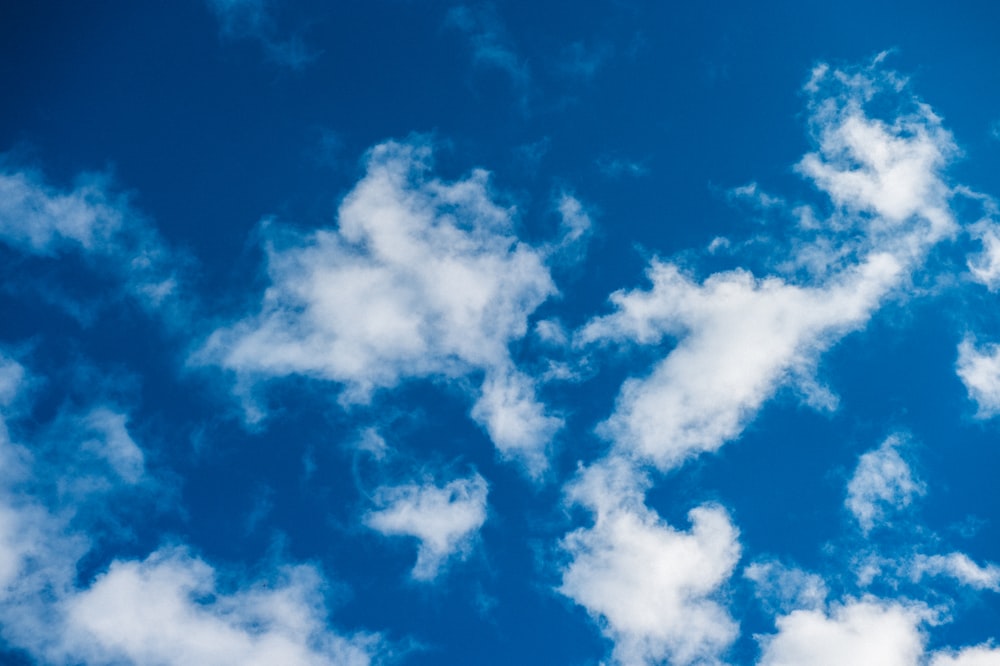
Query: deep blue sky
x: 267, y: 325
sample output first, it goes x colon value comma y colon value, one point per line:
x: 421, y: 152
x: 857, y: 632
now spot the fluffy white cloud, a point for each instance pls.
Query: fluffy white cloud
x: 985, y: 266
x: 152, y: 612
x: 958, y: 566
x: 981, y: 655
x: 421, y: 278
x: 651, y: 588
x: 445, y: 519
x: 740, y: 337
x: 881, y: 481
x: 169, y: 608
x: 979, y: 369
x: 866, y: 632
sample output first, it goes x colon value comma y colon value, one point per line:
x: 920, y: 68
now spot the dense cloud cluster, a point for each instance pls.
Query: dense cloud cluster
x: 426, y: 281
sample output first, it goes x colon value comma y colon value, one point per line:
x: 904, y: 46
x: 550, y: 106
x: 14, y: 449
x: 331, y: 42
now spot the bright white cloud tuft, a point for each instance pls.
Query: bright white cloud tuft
x: 882, y: 481
x: 741, y: 337
x: 981, y: 655
x: 651, y: 588
x: 985, y: 266
x: 866, y: 632
x: 979, y: 369
x: 444, y: 519
x: 422, y: 278
x: 152, y: 612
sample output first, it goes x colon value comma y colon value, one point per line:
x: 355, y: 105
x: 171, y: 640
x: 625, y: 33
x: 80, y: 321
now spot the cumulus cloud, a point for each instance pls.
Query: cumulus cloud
x: 421, y: 279
x: 651, y: 588
x: 445, y: 519
x: 980, y: 655
x: 979, y: 369
x: 740, y: 337
x: 882, y: 481
x: 151, y: 612
x: 866, y: 632
x: 169, y: 608
x: 39, y: 219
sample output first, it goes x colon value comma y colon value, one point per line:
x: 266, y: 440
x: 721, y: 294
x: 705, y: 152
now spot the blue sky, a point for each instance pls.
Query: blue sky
x: 436, y: 333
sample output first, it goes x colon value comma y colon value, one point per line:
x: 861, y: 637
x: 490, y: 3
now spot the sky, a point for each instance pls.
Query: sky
x: 397, y: 332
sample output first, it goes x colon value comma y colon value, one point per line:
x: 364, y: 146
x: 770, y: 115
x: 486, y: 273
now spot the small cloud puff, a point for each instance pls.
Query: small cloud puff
x: 979, y: 369
x: 445, y: 519
x: 865, y: 632
x: 650, y: 587
x: 882, y: 481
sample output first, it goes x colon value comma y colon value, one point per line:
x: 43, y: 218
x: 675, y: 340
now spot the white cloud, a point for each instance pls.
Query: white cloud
x: 651, y: 588
x: 754, y: 194
x: 866, y: 632
x: 980, y: 655
x: 979, y: 369
x: 741, y: 337
x: 421, y: 278
x: 881, y: 481
x: 168, y: 608
x: 786, y: 588
x: 985, y: 266
x: 37, y: 218
x: 152, y: 612
x: 445, y: 519
x: 958, y: 566
x: 114, y: 444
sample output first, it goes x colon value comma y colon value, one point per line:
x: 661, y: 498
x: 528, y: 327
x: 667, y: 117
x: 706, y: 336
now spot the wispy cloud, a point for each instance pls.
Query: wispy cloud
x: 253, y: 19
x: 93, y: 221
x: 882, y: 481
x: 617, y: 167
x: 491, y: 46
